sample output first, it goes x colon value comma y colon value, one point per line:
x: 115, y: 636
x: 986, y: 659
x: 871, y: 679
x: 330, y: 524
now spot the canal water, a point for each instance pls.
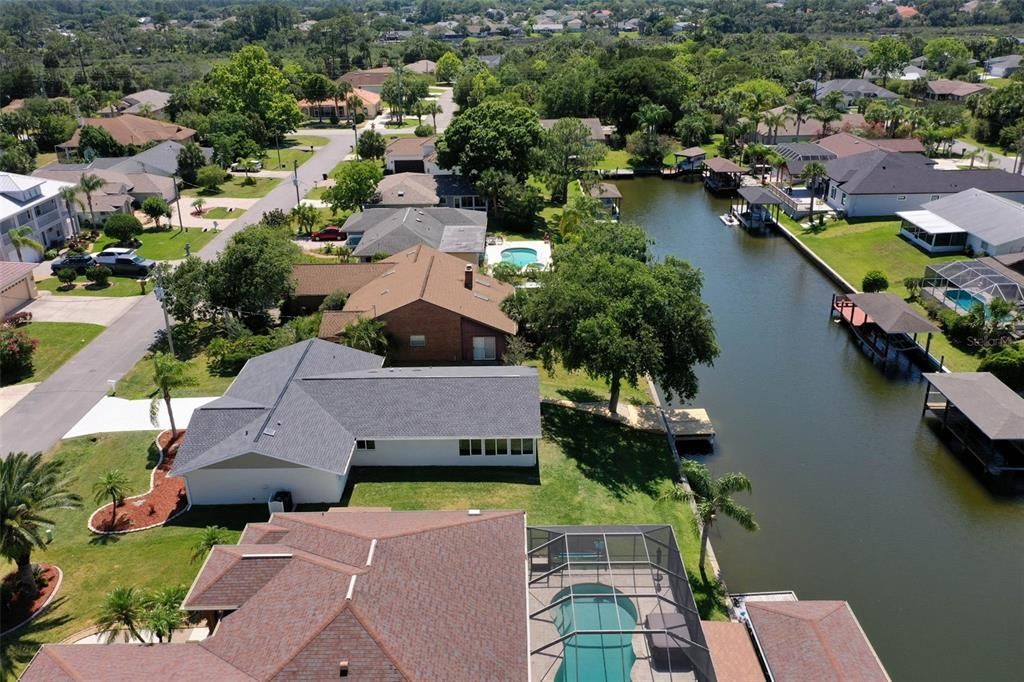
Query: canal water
x: 856, y: 497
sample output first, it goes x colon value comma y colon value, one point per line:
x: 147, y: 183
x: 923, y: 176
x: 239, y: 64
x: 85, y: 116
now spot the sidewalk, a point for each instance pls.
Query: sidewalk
x: 118, y: 414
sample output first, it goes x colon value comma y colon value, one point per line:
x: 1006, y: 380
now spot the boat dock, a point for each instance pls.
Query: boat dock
x: 686, y: 425
x: 690, y: 425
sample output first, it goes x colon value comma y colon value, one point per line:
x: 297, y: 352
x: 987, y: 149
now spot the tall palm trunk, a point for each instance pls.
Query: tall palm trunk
x: 113, y: 511
x: 26, y: 578
x: 17, y: 250
x: 92, y: 213
x: 170, y: 414
x: 705, y: 533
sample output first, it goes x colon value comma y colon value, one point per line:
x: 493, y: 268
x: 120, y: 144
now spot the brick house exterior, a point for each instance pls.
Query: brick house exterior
x: 447, y: 336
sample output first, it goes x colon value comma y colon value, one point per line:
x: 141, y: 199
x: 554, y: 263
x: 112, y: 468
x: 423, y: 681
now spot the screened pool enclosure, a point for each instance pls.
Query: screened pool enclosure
x: 960, y: 284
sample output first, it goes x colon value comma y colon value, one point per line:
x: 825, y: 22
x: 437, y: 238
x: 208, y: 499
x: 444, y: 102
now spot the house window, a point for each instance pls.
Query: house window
x: 470, y: 446
x: 417, y: 341
x: 366, y: 445
x: 490, y: 446
x: 484, y: 348
x: 502, y: 446
x: 527, y: 446
x: 934, y: 197
x: 843, y: 200
x: 833, y: 194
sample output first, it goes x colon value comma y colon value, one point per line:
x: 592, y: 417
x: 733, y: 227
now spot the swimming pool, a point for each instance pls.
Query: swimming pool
x: 519, y: 256
x: 595, y: 658
x: 961, y: 299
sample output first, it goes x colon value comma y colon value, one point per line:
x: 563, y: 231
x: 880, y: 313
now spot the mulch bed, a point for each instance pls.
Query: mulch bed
x: 19, y: 608
x: 153, y: 508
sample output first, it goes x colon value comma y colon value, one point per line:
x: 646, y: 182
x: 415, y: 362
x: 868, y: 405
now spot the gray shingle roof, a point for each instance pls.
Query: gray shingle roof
x: 990, y: 404
x: 307, y: 404
x: 881, y: 172
x: 855, y: 87
x: 993, y: 219
x: 390, y: 230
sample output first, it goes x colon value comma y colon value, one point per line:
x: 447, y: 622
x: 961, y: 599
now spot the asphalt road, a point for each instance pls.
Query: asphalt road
x: 40, y: 419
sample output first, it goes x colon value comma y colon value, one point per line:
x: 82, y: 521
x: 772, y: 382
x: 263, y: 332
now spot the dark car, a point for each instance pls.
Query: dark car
x: 329, y: 234
x: 125, y: 262
x: 79, y: 262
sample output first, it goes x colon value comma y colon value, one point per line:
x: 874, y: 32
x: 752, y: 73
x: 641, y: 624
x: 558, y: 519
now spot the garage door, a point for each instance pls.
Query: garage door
x: 409, y: 167
x: 15, y: 296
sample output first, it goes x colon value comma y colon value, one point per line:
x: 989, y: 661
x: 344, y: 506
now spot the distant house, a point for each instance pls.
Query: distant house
x: 132, y: 130
x: 810, y: 128
x: 1003, y: 67
x: 423, y: 66
x: 491, y: 61
x: 598, y: 132
x: 971, y: 220
x: 16, y: 104
x: 574, y: 25
x: 548, y: 27
x: 136, y: 185
x: 906, y: 12
x: 35, y: 202
x: 369, y: 106
x: 411, y: 155
x: 368, y: 79
x: 422, y: 190
x: 881, y: 183
x: 854, y: 89
x: 846, y: 144
x: 436, y: 308
x: 153, y: 102
x: 456, y: 231
x: 161, y: 159
x: 299, y: 418
x: 944, y: 89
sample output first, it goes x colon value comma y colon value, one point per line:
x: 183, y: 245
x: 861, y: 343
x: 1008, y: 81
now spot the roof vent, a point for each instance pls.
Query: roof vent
x: 401, y: 193
x: 343, y: 669
x: 482, y: 297
x: 473, y: 512
x: 270, y: 432
x: 468, y: 277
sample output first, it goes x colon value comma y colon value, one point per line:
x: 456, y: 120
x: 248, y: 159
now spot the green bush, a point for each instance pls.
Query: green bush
x: 123, y: 227
x: 211, y: 177
x: 335, y: 301
x: 423, y: 130
x: 874, y: 281
x: 98, y: 275
x: 1008, y: 365
x: 16, y: 350
x: 67, y: 276
x: 227, y: 356
x: 963, y: 329
x: 50, y: 254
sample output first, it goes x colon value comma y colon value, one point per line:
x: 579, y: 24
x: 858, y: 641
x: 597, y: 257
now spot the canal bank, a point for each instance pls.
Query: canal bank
x: 856, y: 497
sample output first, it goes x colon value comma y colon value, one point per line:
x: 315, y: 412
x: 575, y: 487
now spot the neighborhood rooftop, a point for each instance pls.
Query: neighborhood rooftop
x: 389, y: 230
x: 882, y: 172
x: 987, y: 402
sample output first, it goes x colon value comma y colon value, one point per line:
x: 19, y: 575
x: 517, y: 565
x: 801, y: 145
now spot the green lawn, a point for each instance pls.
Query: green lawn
x: 615, y: 158
x: 997, y: 82
x: 222, y: 212
x: 980, y: 161
x: 298, y: 153
x: 561, y: 384
x: 591, y: 472
x: 236, y: 189
x: 118, y: 286
x: 316, y: 193
x: 306, y: 140
x: 93, y: 565
x: 58, y: 341
x: 137, y: 383
x: 167, y: 244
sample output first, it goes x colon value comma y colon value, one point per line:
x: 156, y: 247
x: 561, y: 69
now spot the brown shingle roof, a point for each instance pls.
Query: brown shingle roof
x: 426, y: 274
x: 847, y: 144
x: 315, y: 279
x: 720, y: 164
x: 814, y: 640
x: 408, y: 146
x: 131, y: 129
x: 333, y: 323
x: 943, y: 86
x: 732, y: 652
x: 371, y: 77
x: 811, y: 127
x: 179, y: 661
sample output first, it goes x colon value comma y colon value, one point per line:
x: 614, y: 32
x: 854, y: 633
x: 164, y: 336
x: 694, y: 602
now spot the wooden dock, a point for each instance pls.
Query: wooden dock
x: 688, y: 424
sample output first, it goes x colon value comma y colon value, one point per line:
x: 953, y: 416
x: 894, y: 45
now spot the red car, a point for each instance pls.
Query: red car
x: 329, y: 234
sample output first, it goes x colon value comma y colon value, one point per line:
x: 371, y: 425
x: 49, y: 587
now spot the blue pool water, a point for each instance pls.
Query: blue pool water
x: 520, y: 256
x: 596, y: 658
x: 961, y: 298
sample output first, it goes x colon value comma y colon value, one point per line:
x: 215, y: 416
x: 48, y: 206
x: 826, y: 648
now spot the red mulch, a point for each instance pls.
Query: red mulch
x: 165, y: 500
x: 20, y: 608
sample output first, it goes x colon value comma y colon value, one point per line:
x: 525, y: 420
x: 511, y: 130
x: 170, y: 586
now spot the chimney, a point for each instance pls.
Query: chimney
x: 469, y: 277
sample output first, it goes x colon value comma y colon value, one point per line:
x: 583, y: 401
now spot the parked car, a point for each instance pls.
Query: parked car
x: 248, y: 166
x: 329, y: 234
x: 79, y: 262
x: 125, y: 262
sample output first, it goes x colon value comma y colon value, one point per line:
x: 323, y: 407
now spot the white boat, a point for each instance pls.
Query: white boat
x: 729, y: 219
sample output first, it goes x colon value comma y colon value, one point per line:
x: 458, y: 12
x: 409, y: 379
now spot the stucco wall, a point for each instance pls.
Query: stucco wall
x: 433, y: 453
x: 255, y: 486
x: 879, y: 205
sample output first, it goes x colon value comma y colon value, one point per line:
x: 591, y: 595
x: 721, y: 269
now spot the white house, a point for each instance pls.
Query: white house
x: 298, y: 418
x: 36, y: 203
x: 971, y: 220
x: 884, y: 183
x: 1004, y: 66
x: 412, y: 155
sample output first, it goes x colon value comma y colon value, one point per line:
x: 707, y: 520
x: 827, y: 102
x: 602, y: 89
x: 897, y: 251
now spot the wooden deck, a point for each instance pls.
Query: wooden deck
x: 684, y: 423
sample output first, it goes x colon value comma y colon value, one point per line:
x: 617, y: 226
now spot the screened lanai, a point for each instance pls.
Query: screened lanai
x: 612, y: 603
x: 960, y: 284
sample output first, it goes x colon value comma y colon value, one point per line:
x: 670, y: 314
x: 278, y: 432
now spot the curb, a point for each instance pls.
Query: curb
x: 41, y: 609
x: 152, y: 481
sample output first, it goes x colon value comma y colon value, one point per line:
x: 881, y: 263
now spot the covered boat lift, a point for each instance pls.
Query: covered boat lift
x: 884, y: 325
x: 753, y: 207
x: 983, y: 414
x: 722, y: 175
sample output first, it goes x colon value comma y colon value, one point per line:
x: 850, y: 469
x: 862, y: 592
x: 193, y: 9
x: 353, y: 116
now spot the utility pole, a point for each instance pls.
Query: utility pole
x: 295, y: 181
x: 177, y: 201
x: 161, y: 295
x: 279, y: 164
x: 355, y: 145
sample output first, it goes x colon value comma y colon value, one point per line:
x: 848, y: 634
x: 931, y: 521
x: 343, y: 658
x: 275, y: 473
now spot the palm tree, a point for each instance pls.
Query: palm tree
x: 169, y: 374
x: 812, y: 173
x: 88, y: 184
x: 756, y: 153
x: 123, y: 609
x: 70, y: 197
x: 827, y: 115
x: 113, y: 485
x: 366, y: 334
x: 972, y: 154
x: 800, y: 110
x: 713, y: 496
x: 432, y: 109
x: 198, y: 204
x: 163, y: 613
x: 21, y: 237
x: 338, y: 92
x: 29, y: 488
x: 305, y: 216
x: 353, y: 104
x: 651, y: 116
x: 212, y: 536
x: 774, y: 121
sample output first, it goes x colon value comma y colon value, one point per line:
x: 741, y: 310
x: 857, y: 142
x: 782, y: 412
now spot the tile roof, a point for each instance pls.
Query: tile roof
x: 814, y: 640
x: 307, y: 404
x: 882, y: 172
x: 390, y: 230
x: 131, y: 129
x: 425, y: 274
x: 394, y: 594
x: 316, y: 279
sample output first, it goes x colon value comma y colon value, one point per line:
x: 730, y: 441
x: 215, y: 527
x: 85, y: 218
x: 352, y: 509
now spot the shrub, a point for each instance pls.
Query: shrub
x: 874, y: 281
x: 506, y: 271
x: 517, y: 351
x: 963, y: 329
x: 67, y: 276
x: 1008, y: 365
x: 227, y: 357
x: 423, y: 130
x: 16, y: 349
x: 335, y: 301
x: 123, y: 227
x: 211, y: 177
x: 50, y: 254
x: 913, y: 286
x: 98, y: 275
x: 379, y: 256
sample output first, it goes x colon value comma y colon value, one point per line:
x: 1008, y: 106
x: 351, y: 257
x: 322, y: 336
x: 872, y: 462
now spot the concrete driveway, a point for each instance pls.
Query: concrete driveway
x: 104, y: 310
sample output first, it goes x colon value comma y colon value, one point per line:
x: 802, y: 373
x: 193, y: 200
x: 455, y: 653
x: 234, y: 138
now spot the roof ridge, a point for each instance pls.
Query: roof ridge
x: 299, y: 648
x: 52, y: 652
x: 220, y: 574
x: 376, y: 636
x: 284, y: 389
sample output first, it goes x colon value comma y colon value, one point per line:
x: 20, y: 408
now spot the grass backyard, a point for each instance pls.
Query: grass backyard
x: 137, y: 383
x: 561, y: 384
x: 591, y: 472
x: 307, y: 140
x: 236, y: 188
x: 166, y: 244
x: 118, y: 286
x: 222, y: 212
x: 58, y: 341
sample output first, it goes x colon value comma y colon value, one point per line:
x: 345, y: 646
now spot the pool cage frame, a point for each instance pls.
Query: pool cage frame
x: 586, y: 551
x: 972, y: 276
